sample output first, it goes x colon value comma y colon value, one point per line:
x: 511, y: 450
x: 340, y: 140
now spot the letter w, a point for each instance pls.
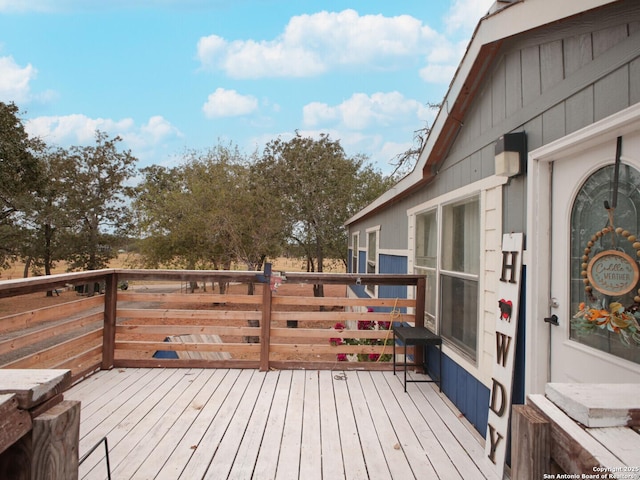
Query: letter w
x: 503, y: 342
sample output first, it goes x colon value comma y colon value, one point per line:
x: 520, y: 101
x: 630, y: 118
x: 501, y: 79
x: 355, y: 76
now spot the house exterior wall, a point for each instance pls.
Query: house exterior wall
x: 548, y: 82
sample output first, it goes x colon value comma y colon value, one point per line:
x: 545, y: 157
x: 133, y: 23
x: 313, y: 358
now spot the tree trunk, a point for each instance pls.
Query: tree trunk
x: 27, y: 266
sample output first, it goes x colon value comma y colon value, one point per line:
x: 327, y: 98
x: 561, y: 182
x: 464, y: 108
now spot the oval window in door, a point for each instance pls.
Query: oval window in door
x: 606, y: 321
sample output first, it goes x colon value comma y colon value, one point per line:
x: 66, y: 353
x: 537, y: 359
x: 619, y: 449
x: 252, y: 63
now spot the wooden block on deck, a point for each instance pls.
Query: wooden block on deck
x: 530, y: 448
x: 49, y: 450
x: 14, y: 422
x: 33, y: 387
x: 56, y: 436
x: 598, y: 405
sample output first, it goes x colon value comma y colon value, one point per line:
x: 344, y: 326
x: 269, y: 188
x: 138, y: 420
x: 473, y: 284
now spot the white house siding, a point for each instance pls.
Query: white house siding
x: 492, y: 214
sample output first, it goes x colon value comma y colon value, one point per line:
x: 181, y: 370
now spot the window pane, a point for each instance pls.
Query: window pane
x: 459, y: 312
x: 430, y: 300
x: 589, y: 216
x: 426, y: 239
x: 461, y: 236
x: 354, y: 254
x: 371, y: 252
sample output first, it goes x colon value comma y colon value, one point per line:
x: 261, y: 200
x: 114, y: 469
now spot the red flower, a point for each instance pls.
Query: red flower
x: 339, y: 326
x: 384, y: 325
x: 342, y: 357
x: 365, y: 325
x: 373, y: 357
x: 335, y: 341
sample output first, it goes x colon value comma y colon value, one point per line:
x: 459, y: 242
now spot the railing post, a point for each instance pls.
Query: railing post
x: 109, y: 331
x: 265, y: 325
x: 421, y: 292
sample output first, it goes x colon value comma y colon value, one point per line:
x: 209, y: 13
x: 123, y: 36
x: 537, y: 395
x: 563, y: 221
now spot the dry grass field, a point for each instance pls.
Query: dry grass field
x: 9, y: 306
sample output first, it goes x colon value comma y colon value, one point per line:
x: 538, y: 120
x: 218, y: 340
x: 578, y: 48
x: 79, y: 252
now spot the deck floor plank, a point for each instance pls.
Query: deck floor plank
x: 310, y: 448
x: 107, y: 397
x: 232, y: 440
x: 245, y: 459
x: 244, y: 424
x: 194, y: 437
x: 140, y: 421
x: 372, y: 449
x: 175, y: 435
x: 267, y: 462
x: 122, y: 410
x: 332, y: 462
x: 166, y: 414
x: 475, y: 454
x: 352, y: 455
x: 394, y: 454
x: 416, y: 439
x: 289, y: 457
x: 208, y: 446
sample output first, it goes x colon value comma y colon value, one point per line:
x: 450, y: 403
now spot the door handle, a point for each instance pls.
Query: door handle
x: 553, y: 320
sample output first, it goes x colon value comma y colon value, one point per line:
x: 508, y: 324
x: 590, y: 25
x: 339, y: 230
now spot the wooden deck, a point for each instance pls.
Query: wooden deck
x: 241, y: 424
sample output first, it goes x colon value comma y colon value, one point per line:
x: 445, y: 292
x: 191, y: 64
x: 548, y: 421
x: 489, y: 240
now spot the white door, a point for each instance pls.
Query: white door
x: 593, y: 348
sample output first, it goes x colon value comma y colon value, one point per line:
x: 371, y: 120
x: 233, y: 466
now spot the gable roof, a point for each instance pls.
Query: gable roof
x: 505, y: 19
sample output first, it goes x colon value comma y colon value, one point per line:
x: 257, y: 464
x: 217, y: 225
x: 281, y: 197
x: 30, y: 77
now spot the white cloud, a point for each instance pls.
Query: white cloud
x: 363, y: 111
x: 147, y: 142
x: 465, y: 14
x: 313, y: 44
x: 229, y: 103
x: 74, y: 129
x: 434, y: 73
x: 14, y: 80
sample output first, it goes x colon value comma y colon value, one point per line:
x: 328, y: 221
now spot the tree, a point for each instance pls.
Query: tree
x: 318, y: 189
x: 97, y: 201
x: 47, y: 216
x: 19, y: 176
x: 209, y: 212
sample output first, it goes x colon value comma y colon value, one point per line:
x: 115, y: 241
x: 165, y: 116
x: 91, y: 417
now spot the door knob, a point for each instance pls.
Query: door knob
x: 553, y: 320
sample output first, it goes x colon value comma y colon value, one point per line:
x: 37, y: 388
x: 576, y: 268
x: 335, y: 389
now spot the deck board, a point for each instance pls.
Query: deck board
x: 242, y: 424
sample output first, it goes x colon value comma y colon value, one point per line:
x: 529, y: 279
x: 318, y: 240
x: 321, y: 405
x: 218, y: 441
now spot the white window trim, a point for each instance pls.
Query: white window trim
x: 355, y: 250
x: 376, y: 230
x: 481, y: 368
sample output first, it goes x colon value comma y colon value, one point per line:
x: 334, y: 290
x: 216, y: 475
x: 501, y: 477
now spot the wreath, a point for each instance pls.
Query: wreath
x: 595, y: 314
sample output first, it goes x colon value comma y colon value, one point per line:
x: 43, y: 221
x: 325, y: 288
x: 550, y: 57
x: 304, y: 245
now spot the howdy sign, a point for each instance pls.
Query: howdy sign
x: 506, y: 330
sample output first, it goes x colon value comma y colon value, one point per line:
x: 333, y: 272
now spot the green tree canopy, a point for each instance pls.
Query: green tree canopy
x: 318, y: 188
x: 20, y: 175
x: 207, y: 213
x: 97, y: 201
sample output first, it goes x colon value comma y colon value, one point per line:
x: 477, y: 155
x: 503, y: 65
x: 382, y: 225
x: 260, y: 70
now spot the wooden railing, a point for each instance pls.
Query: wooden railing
x: 160, y: 317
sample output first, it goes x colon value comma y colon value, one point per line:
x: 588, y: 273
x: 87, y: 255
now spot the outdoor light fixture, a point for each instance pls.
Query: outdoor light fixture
x: 510, y: 154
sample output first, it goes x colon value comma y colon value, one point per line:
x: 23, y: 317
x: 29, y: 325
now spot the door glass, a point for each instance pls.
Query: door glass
x: 605, y: 321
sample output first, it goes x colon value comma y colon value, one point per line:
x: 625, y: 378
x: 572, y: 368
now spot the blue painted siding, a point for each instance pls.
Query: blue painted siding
x: 469, y: 395
x: 394, y: 264
x: 362, y: 262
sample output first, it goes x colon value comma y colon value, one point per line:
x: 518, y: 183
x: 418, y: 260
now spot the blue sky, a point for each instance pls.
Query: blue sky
x: 171, y: 75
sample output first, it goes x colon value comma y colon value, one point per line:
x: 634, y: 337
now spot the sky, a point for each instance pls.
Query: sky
x: 170, y: 76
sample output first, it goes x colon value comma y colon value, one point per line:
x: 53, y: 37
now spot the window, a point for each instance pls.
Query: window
x: 588, y: 217
x: 459, y: 274
x: 372, y: 256
x: 451, y: 232
x: 426, y: 254
x: 355, y: 243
